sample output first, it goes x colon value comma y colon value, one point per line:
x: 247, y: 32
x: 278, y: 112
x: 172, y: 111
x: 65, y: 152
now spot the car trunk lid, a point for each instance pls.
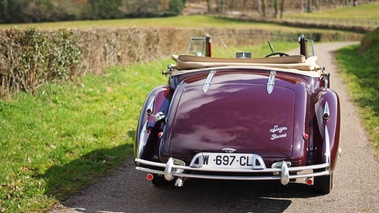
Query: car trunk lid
x: 236, y: 111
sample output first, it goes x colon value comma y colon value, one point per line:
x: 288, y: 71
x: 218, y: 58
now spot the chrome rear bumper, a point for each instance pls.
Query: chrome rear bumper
x: 176, y: 168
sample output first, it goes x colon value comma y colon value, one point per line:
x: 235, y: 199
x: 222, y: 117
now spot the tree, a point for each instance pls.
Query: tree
x: 220, y: 6
x: 209, y: 6
x: 331, y: 3
x: 12, y: 11
x: 176, y: 6
x: 259, y: 7
x: 4, y: 11
x: 282, y: 8
x: 38, y: 10
x: 276, y: 8
x: 64, y: 10
x: 264, y: 8
x: 309, y: 6
x: 317, y: 4
x: 244, y: 6
x: 105, y: 9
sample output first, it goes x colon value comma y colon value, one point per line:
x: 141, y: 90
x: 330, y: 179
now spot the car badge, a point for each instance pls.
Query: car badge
x: 228, y: 150
x: 278, y: 132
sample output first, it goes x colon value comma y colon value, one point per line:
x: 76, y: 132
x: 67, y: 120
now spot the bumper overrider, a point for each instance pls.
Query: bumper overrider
x: 282, y: 170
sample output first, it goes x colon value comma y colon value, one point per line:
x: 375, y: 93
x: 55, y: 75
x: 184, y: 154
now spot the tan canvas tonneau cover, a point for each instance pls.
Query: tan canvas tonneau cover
x: 185, y: 62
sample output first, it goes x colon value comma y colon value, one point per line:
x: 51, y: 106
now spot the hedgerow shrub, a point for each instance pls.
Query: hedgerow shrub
x: 30, y: 58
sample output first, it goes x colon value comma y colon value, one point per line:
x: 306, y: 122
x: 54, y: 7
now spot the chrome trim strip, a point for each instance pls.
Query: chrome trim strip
x: 271, y: 82
x: 142, y: 140
x: 208, y: 81
x: 327, y: 146
x: 326, y: 114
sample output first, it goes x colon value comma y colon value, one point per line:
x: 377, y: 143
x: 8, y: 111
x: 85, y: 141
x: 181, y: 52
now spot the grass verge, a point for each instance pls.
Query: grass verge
x: 359, y: 70
x: 57, y: 142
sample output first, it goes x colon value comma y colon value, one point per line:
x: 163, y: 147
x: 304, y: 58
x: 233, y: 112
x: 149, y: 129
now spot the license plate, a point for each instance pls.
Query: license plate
x: 228, y: 160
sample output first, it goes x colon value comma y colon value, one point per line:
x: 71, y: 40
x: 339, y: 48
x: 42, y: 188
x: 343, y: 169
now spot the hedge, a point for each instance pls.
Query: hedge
x: 30, y: 58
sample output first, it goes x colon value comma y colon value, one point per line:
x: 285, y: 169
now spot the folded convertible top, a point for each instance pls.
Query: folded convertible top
x: 185, y: 62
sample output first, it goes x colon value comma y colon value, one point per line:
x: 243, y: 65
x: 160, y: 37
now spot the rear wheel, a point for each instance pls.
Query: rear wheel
x: 159, y: 180
x: 323, y: 184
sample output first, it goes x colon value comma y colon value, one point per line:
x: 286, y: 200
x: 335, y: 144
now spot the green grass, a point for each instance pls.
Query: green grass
x: 361, y: 75
x: 177, y: 22
x: 364, y: 11
x: 58, y: 141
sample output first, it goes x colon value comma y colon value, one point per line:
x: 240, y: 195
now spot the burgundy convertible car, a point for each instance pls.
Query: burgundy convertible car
x: 241, y: 118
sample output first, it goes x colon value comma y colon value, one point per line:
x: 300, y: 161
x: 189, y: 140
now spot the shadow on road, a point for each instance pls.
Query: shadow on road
x: 75, y: 175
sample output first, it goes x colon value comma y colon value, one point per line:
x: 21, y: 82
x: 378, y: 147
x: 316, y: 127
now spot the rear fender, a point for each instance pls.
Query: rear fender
x: 151, y: 122
x: 327, y: 110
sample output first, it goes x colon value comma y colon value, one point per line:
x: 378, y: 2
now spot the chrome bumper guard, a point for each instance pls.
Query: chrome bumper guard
x: 282, y: 171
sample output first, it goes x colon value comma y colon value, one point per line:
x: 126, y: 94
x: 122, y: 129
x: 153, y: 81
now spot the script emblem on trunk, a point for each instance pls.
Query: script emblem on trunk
x: 278, y: 132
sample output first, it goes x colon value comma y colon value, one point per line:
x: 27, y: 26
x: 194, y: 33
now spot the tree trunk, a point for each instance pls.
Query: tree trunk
x: 264, y: 8
x: 209, y: 6
x: 259, y: 7
x: 281, y: 8
x: 220, y: 6
x: 331, y: 3
x: 302, y: 6
x: 276, y: 8
x: 317, y: 4
x: 309, y: 6
x: 244, y: 7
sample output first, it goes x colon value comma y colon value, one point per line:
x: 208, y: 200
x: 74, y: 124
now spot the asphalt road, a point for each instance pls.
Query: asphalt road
x: 356, y: 180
